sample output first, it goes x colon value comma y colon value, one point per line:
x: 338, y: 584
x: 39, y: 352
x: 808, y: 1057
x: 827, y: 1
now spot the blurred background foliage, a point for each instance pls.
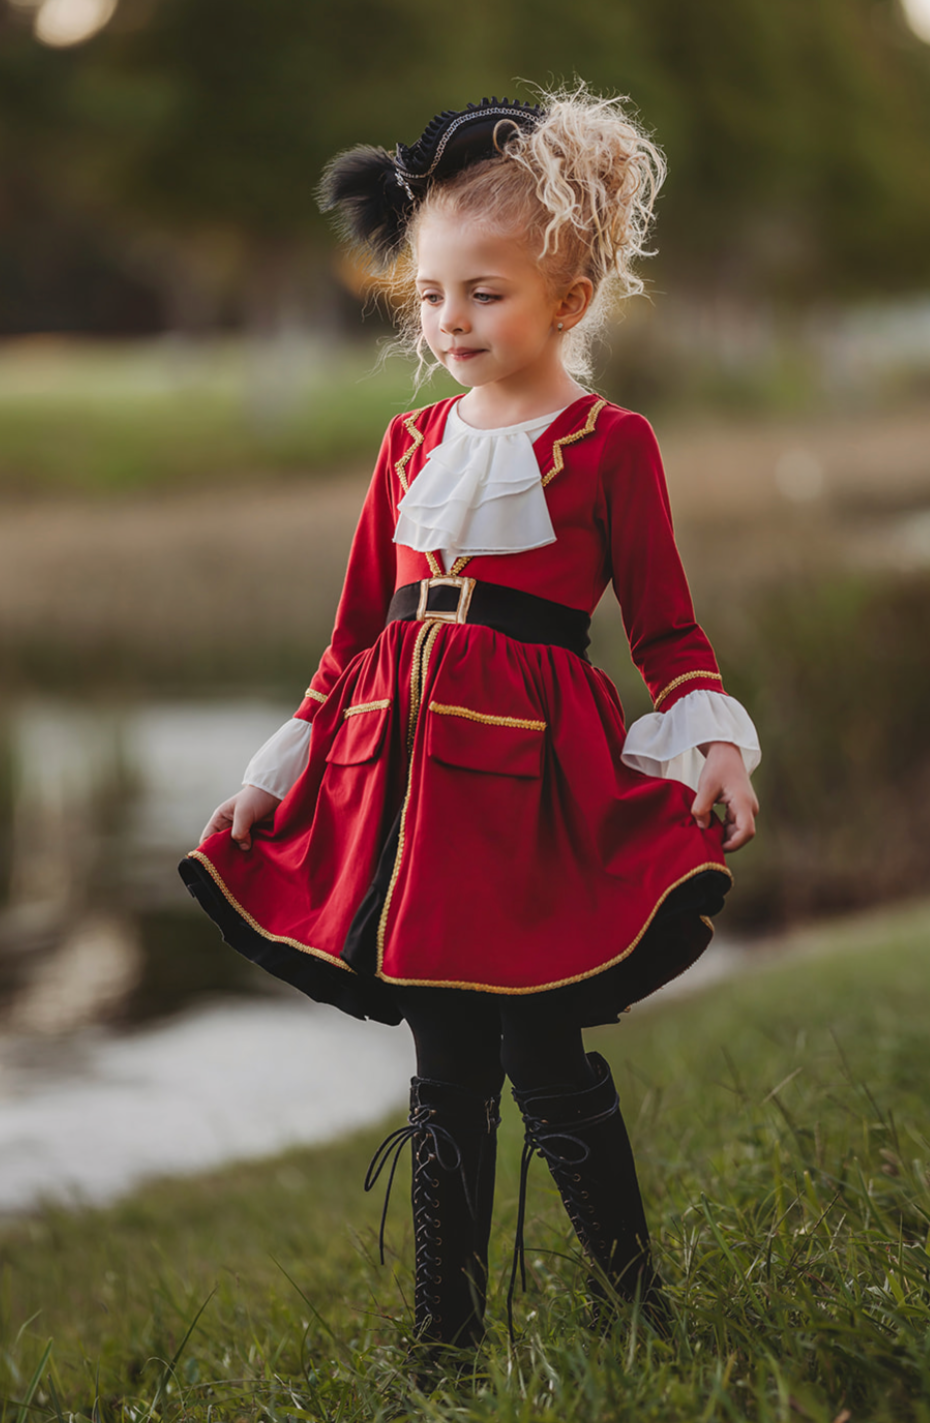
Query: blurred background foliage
x: 184, y: 365
x: 162, y: 173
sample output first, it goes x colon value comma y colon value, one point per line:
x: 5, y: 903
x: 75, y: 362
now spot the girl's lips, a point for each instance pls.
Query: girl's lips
x: 462, y: 353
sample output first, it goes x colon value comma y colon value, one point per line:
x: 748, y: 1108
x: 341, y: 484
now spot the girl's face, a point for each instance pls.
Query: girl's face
x: 487, y: 312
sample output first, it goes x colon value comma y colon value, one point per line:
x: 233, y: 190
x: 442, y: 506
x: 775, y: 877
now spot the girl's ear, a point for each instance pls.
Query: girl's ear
x: 575, y: 303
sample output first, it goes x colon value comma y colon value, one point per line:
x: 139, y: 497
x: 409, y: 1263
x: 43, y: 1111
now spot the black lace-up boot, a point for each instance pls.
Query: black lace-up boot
x: 581, y: 1136
x: 453, y: 1136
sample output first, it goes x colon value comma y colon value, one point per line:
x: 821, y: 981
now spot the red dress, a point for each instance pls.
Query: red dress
x: 468, y: 787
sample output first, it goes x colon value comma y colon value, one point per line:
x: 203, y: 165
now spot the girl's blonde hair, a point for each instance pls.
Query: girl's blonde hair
x: 579, y: 188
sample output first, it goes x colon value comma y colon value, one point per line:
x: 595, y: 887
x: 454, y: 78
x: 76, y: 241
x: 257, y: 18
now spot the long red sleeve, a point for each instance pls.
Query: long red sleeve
x: 668, y: 646
x: 368, y: 586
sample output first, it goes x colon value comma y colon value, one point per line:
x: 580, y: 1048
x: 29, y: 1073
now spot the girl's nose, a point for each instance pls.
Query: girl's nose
x: 454, y: 322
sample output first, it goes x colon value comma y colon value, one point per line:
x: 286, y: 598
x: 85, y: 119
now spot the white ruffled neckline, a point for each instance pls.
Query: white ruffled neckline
x: 478, y: 492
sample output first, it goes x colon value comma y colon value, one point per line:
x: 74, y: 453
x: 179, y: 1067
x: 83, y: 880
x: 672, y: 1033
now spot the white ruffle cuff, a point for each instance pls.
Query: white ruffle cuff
x: 479, y: 492
x: 666, y: 744
x: 276, y: 765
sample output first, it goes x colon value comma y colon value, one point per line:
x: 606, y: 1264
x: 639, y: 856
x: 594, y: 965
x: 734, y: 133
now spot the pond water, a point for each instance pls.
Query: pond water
x: 100, y: 802
x: 133, y: 1042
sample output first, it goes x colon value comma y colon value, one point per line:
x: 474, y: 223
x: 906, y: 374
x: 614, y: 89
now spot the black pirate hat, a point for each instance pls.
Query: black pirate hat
x: 376, y: 194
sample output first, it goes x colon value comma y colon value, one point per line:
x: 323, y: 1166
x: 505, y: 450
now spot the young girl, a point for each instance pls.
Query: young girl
x: 469, y: 840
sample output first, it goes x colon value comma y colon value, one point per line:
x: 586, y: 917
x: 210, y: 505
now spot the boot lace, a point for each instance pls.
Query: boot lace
x: 441, y: 1140
x: 561, y: 1149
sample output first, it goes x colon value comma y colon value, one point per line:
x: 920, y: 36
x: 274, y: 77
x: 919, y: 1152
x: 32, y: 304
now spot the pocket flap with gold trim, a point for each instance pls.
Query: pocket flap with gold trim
x: 361, y: 734
x: 484, y: 741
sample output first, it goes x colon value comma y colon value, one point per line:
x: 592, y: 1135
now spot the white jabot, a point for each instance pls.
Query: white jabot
x: 479, y: 491
x: 666, y: 744
x: 276, y: 765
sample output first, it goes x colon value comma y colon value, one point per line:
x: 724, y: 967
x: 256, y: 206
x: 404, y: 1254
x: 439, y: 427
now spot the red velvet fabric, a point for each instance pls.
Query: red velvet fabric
x: 529, y: 856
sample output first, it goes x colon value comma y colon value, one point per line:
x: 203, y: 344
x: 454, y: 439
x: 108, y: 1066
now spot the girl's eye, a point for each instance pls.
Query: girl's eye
x: 486, y: 297
x: 431, y: 297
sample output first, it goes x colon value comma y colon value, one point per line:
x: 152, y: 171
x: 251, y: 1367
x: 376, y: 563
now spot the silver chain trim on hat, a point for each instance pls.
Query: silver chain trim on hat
x: 404, y: 173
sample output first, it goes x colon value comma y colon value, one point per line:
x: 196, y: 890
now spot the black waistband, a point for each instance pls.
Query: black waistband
x: 523, y: 616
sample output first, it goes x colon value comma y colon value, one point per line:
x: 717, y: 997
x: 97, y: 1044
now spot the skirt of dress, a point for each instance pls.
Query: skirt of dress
x: 465, y: 822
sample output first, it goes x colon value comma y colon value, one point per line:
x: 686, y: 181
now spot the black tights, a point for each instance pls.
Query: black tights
x: 473, y: 1039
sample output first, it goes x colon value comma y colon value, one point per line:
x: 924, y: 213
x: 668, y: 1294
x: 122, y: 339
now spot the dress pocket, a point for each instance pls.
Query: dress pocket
x: 483, y: 741
x: 361, y: 734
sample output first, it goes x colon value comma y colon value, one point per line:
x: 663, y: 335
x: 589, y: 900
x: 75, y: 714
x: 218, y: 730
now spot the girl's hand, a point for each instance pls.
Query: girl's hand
x: 724, y: 781
x: 240, y: 813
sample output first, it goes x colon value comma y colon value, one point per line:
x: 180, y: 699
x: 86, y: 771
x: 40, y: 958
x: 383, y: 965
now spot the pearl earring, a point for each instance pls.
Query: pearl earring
x: 561, y: 324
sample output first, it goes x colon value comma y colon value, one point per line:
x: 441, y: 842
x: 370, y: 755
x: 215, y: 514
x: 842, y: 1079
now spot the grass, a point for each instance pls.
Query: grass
x: 102, y: 418
x: 88, y: 418
x: 781, y: 1128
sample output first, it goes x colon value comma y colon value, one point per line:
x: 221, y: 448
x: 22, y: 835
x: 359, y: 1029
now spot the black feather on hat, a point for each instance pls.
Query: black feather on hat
x: 376, y: 194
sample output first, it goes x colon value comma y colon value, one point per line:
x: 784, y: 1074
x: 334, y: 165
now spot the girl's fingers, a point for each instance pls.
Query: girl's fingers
x: 703, y: 804
x: 218, y: 821
x: 741, y: 824
x: 741, y: 811
x: 240, y: 813
x: 242, y: 824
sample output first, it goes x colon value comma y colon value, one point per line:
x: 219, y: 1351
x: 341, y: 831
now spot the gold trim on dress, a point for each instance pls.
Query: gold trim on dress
x: 415, y: 684
x: 558, y: 461
x: 422, y: 648
x: 486, y: 717
x: 410, y: 425
x: 254, y: 924
x: 315, y: 695
x: 685, y: 677
x: 560, y: 982
x: 360, y: 707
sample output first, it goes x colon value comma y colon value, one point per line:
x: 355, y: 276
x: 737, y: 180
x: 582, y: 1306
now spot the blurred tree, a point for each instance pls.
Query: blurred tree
x: 798, y: 135
x: 217, y: 116
x: 60, y: 265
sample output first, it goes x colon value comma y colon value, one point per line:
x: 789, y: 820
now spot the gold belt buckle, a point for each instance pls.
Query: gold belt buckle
x: 459, y: 614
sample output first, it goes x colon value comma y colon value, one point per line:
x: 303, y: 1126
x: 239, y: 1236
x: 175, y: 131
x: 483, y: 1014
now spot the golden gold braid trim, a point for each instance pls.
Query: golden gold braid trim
x: 400, y: 468
x: 410, y: 425
x: 367, y: 707
x: 414, y: 708
x: 428, y: 649
x: 558, y: 461
x: 421, y: 663
x: 254, y: 924
x: 487, y: 718
x: 685, y: 677
x: 560, y: 982
x: 314, y: 695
